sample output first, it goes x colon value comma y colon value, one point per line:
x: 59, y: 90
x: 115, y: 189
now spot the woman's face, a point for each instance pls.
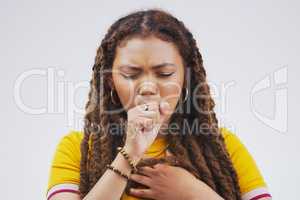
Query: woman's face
x: 147, y: 69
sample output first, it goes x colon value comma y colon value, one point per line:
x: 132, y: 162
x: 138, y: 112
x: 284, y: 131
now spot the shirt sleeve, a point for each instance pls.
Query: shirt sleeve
x: 65, y: 167
x: 251, y: 181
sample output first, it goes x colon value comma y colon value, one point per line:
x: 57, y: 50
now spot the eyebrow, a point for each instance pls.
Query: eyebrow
x: 136, y: 67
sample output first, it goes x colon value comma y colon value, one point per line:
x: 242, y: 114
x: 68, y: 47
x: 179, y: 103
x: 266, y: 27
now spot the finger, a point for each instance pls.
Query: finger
x: 164, y: 109
x: 133, y: 129
x: 142, y: 193
x: 148, y: 171
x: 160, y: 166
x: 141, y: 125
x: 141, y: 179
x: 145, y: 123
x: 141, y: 99
x: 148, y: 114
x: 152, y: 134
x: 152, y: 106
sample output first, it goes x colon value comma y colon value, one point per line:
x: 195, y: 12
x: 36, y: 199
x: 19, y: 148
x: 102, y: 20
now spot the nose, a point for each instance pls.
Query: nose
x: 147, y: 88
x: 147, y: 91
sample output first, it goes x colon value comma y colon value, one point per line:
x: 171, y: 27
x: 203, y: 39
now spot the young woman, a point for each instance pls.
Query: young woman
x: 149, y: 96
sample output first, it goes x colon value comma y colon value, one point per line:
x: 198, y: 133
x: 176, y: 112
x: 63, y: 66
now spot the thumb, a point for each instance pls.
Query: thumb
x: 164, y: 109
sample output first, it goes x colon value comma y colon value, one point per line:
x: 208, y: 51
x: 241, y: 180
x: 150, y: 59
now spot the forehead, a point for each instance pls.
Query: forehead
x: 146, y: 51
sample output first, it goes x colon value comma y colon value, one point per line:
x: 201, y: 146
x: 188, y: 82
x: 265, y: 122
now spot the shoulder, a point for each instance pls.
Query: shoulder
x: 72, y: 136
x: 70, y: 143
x: 65, y: 166
x: 232, y: 141
x: 69, y: 146
x: 228, y: 135
x: 251, y: 181
x: 236, y: 149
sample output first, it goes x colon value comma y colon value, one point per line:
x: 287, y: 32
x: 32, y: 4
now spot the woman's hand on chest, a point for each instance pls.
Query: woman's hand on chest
x: 167, y: 182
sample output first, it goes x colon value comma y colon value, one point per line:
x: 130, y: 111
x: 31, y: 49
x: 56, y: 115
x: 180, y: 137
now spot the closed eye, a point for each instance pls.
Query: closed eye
x: 130, y: 76
x: 166, y: 74
x: 135, y: 75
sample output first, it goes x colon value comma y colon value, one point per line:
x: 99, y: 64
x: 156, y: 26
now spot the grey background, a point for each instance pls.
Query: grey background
x: 242, y: 42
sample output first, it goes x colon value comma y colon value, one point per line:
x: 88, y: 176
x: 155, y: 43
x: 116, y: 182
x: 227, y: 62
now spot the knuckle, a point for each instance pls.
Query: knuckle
x: 142, y: 191
x: 155, y: 173
x: 153, y: 105
x: 148, y: 123
x: 139, y: 178
x: 160, y: 167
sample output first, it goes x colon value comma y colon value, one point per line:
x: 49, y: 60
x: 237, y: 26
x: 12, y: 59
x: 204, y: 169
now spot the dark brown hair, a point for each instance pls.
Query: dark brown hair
x: 204, y: 151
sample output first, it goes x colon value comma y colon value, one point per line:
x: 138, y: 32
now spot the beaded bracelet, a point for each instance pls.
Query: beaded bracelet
x: 117, y: 171
x: 126, y: 156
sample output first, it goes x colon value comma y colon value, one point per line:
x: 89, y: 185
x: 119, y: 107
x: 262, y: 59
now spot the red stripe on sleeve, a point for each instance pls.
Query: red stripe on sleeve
x: 63, y: 190
x: 261, y: 196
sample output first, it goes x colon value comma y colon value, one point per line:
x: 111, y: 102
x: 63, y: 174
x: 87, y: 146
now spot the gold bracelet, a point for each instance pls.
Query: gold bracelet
x: 117, y: 171
x: 126, y: 156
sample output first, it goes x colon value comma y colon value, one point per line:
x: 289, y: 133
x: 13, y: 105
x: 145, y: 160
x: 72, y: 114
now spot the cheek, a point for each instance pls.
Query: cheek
x: 170, y: 91
x: 125, y: 91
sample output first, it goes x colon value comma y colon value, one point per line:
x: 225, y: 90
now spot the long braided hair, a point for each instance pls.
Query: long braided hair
x: 203, y: 151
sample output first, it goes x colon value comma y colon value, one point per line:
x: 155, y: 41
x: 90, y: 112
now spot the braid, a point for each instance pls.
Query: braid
x: 199, y: 161
x: 84, y: 175
x: 220, y: 180
x: 205, y: 154
x: 91, y: 109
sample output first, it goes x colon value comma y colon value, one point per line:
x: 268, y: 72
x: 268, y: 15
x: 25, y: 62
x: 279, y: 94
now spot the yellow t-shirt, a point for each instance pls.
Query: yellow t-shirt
x: 65, y: 168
